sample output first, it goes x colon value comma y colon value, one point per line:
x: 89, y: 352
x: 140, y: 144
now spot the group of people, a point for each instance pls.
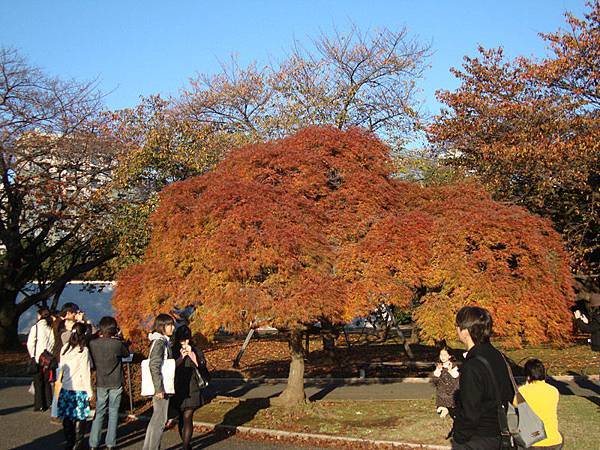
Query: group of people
x: 79, y: 348
x: 470, y: 394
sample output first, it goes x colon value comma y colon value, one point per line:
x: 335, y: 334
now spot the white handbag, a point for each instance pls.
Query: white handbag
x: 167, y: 371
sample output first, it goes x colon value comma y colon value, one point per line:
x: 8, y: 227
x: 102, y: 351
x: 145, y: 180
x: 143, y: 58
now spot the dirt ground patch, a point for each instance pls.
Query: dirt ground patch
x: 270, y: 358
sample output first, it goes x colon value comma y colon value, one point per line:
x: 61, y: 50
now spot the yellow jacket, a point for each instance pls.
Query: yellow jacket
x: 543, y: 399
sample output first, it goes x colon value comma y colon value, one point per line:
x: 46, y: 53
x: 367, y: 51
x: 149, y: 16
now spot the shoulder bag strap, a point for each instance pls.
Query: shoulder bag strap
x: 520, y: 398
x: 501, y: 411
x: 166, y: 354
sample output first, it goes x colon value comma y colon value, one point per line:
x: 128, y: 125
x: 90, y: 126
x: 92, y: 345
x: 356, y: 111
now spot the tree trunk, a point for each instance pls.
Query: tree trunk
x: 9, y: 320
x: 56, y: 297
x: 329, y: 342
x: 294, y: 393
x: 329, y: 335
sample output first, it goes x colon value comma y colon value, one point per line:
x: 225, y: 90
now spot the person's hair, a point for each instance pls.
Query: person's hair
x: 69, y: 308
x: 161, y: 321
x: 445, y: 348
x: 58, y: 326
x: 108, y: 326
x: 534, y: 370
x: 182, y: 333
x: 477, y: 320
x: 45, y: 315
x: 78, y: 337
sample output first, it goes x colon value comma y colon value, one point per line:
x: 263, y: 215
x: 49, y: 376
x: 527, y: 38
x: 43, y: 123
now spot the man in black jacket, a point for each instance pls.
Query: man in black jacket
x: 476, y: 424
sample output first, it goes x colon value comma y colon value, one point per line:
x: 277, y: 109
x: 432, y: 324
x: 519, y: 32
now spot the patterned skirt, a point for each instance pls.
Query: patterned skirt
x: 74, y: 405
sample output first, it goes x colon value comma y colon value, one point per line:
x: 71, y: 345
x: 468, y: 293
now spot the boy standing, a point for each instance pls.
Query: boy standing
x: 107, y: 351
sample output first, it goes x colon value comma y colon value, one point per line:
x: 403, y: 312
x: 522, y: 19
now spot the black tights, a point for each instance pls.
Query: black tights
x: 186, y: 427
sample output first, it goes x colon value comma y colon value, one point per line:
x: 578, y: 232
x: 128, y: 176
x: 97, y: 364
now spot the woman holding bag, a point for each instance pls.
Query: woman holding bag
x: 160, y: 350
x: 41, y: 340
x: 189, y: 382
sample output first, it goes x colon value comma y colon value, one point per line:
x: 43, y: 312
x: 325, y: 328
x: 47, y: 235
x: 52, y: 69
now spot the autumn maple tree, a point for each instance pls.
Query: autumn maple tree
x: 258, y: 236
x: 313, y: 228
x: 529, y: 130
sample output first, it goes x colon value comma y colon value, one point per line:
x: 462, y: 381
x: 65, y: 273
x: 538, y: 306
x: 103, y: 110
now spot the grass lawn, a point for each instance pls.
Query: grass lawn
x: 411, y: 421
x: 571, y: 360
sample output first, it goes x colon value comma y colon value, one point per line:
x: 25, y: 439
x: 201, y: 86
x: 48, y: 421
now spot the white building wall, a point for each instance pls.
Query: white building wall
x: 95, y: 304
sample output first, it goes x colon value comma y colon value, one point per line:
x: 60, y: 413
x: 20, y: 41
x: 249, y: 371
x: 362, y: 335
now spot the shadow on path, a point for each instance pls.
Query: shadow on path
x: 14, y: 409
x: 54, y: 440
x: 130, y: 434
x: 328, y: 389
x: 204, y: 440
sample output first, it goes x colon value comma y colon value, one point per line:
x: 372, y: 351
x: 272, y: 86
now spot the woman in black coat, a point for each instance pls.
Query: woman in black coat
x: 190, y: 379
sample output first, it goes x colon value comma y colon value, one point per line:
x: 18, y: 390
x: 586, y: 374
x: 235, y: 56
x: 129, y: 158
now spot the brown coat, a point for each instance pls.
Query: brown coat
x: 446, y: 388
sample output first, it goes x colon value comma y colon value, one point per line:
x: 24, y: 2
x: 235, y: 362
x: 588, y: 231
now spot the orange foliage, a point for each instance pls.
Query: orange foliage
x: 313, y: 226
x: 456, y: 246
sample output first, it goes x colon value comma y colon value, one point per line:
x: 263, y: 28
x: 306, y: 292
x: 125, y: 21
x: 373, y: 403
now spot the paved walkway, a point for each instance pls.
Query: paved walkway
x: 385, y: 390
x: 23, y: 429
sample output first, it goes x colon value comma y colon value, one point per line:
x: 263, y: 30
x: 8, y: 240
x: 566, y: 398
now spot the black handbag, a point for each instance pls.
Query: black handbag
x: 32, y: 367
x: 202, y: 374
x: 202, y: 383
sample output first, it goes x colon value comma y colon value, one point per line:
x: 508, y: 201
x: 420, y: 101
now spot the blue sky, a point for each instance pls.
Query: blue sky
x: 148, y: 47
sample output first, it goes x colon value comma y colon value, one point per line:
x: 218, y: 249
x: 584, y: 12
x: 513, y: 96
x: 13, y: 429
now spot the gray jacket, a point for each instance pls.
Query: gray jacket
x: 160, y: 342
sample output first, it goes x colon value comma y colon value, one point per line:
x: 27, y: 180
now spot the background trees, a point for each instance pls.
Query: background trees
x: 529, y: 130
x: 354, y: 79
x: 55, y: 201
x: 314, y: 228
